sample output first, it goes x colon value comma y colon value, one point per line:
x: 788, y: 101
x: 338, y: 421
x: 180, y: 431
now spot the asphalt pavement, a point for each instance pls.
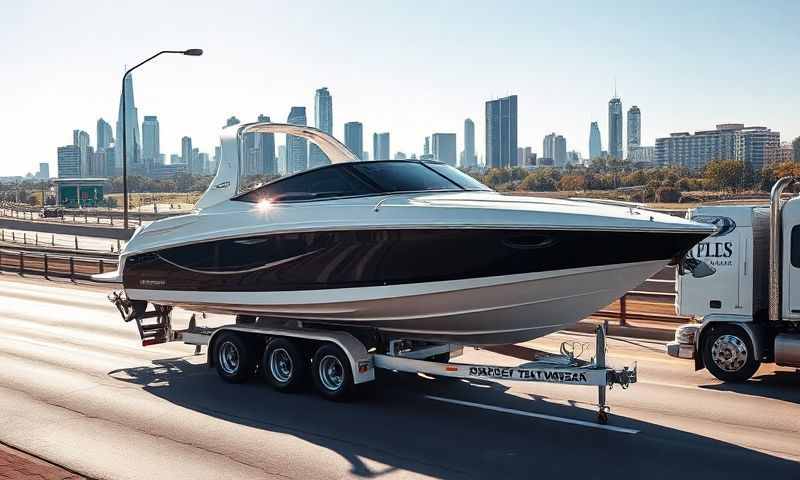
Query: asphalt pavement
x: 77, y: 390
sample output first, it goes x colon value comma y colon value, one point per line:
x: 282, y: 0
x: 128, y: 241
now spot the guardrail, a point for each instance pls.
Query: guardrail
x: 74, y: 267
x: 85, y: 217
x: 52, y: 240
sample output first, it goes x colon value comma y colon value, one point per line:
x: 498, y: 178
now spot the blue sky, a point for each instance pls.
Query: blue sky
x: 411, y: 68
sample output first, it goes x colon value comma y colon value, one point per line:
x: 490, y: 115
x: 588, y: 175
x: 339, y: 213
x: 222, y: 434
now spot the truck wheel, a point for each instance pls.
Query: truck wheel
x: 332, y: 375
x: 233, y: 357
x: 729, y: 355
x: 284, y: 365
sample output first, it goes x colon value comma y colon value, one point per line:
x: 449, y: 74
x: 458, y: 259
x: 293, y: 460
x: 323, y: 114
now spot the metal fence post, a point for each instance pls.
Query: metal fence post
x: 72, y: 268
x: 21, y: 263
x: 76, y: 242
x: 36, y: 239
x: 24, y: 238
x: 46, y: 274
x: 623, y: 309
x: 53, y: 239
x: 102, y: 267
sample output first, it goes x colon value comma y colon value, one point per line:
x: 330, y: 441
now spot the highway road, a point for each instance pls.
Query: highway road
x: 78, y: 391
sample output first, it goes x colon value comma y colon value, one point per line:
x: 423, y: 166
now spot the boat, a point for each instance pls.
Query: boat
x: 406, y: 248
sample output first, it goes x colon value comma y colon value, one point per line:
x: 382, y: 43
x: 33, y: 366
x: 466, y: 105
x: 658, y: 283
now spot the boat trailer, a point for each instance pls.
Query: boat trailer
x: 401, y: 355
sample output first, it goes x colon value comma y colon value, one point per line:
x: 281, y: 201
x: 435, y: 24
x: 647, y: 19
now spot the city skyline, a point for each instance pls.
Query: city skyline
x: 190, y: 96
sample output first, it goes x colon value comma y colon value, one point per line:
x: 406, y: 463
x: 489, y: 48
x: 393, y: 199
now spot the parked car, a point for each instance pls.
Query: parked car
x: 48, y: 212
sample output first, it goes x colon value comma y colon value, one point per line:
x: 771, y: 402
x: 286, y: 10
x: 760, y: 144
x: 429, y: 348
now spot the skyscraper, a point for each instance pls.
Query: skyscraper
x: 296, y: 147
x: 266, y: 147
x: 186, y: 152
x: 232, y: 120
x: 501, y: 132
x: 151, y: 143
x: 323, y: 120
x: 282, y: 160
x: 426, y: 150
x: 44, y: 170
x: 469, y: 144
x: 81, y: 140
x: 444, y: 147
x: 380, y: 146
x: 595, y: 143
x: 132, y: 142
x: 560, y: 151
x: 105, y: 135
x: 634, y: 128
x: 615, y: 128
x: 548, y: 145
x: 69, y: 161
x: 354, y: 138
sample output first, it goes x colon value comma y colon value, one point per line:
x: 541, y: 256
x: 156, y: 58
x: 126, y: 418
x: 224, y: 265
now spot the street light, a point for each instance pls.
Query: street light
x: 194, y: 52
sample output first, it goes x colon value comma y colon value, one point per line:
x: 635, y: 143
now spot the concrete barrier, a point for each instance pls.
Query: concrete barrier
x: 85, y: 230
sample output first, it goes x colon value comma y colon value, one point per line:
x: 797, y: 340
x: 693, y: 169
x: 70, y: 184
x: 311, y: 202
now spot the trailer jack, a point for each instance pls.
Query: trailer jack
x: 152, y: 333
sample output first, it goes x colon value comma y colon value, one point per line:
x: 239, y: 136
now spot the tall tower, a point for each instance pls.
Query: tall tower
x: 296, y: 147
x: 268, y: 164
x: 501, y: 132
x: 151, y: 143
x: 549, y: 146
x: 380, y: 146
x: 81, y: 140
x: 634, y: 128
x: 615, y: 128
x: 323, y: 120
x: 469, y: 144
x: 105, y: 136
x: 354, y: 138
x: 132, y: 138
x: 595, y: 143
x: 444, y: 147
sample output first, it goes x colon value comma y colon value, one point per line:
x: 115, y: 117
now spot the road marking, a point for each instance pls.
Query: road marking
x: 535, y: 415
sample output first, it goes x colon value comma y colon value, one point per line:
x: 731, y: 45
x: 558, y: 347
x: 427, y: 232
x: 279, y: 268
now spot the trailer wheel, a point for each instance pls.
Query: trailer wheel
x: 729, y: 355
x: 233, y: 358
x: 332, y: 375
x: 284, y: 365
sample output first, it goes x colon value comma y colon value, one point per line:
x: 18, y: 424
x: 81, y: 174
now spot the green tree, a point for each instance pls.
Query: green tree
x: 725, y: 174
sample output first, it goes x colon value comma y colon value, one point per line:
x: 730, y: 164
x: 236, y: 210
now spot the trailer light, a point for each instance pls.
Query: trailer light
x: 451, y: 369
x: 363, y: 367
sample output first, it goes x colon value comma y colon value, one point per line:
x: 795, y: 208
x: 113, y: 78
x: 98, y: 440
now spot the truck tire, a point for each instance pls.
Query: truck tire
x: 332, y: 375
x: 284, y: 365
x: 233, y: 357
x: 729, y: 355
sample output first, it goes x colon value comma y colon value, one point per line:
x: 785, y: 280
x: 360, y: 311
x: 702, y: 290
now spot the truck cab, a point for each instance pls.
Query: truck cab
x: 742, y: 287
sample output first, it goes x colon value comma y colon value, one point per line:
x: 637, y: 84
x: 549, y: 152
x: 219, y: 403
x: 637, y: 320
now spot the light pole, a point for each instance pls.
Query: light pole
x: 195, y: 52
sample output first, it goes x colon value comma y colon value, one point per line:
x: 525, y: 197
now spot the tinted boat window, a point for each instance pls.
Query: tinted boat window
x: 403, y: 176
x: 315, y: 184
x: 464, y: 180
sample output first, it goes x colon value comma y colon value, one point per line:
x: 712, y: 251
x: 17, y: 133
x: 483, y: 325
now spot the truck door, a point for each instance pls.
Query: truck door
x: 791, y: 259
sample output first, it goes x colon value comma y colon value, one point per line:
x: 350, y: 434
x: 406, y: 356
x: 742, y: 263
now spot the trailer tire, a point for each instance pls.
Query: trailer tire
x: 729, y: 355
x: 332, y: 374
x: 284, y: 366
x: 234, y: 358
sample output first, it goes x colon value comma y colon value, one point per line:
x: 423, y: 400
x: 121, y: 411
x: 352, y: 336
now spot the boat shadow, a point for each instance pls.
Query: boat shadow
x: 399, y: 423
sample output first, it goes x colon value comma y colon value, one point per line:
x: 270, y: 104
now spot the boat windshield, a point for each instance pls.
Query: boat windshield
x: 363, y: 178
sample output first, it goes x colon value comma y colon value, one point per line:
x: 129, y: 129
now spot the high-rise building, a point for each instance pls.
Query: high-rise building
x: 151, y: 143
x: 354, y: 138
x: 573, y: 158
x: 99, y: 163
x: 757, y: 146
x: 444, y: 148
x: 105, y: 136
x: 501, y: 132
x: 131, y: 136
x: 426, y: 150
x: 380, y: 146
x: 595, y: 143
x: 204, y: 163
x: 323, y: 120
x: 82, y: 141
x: 232, y: 120
x: 469, y: 159
x: 400, y: 156
x: 365, y: 155
x: 268, y: 164
x: 642, y: 154
x: 634, y: 128
x: 282, y: 160
x: 69, y: 161
x: 186, y: 153
x: 175, y: 159
x: 615, y: 128
x: 44, y: 171
x: 296, y: 147
x: 560, y: 151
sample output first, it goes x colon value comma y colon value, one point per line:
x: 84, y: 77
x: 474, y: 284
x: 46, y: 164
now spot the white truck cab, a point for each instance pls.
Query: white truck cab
x: 742, y: 284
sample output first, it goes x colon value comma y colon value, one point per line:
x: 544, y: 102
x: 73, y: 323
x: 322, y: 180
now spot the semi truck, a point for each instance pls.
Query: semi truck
x: 742, y: 288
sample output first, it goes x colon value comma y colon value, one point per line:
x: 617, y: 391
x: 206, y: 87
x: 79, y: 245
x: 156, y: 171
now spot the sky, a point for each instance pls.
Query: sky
x: 411, y: 68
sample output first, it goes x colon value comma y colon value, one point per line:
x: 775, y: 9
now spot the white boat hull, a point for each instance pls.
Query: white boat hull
x: 482, y: 311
